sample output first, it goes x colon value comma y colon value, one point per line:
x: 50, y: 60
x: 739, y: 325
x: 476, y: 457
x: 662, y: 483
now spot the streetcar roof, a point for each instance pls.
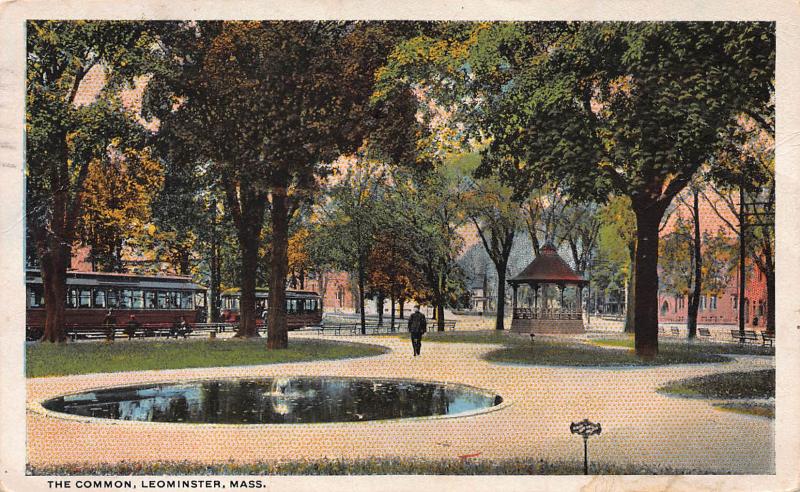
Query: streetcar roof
x: 99, y: 279
x: 263, y: 293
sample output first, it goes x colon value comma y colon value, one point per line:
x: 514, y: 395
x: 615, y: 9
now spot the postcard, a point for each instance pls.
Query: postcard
x: 353, y: 246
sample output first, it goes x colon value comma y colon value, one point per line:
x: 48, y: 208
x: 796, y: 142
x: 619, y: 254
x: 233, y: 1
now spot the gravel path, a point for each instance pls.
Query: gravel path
x: 639, y: 425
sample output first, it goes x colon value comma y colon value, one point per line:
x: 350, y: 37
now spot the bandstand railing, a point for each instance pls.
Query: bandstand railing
x: 528, y: 313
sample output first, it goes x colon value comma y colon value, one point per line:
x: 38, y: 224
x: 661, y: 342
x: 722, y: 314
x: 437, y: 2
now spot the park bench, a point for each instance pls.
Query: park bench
x: 703, y: 332
x: 768, y: 338
x: 747, y: 336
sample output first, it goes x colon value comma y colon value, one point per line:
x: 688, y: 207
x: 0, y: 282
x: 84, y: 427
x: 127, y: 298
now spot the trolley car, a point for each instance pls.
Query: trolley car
x: 303, y: 308
x: 92, y: 295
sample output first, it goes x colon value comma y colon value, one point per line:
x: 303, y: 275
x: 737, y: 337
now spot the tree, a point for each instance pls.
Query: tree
x: 617, y: 241
x: 268, y: 105
x: 117, y: 196
x: 631, y: 109
x: 489, y: 206
x: 64, y: 136
x: 745, y: 170
x: 431, y: 206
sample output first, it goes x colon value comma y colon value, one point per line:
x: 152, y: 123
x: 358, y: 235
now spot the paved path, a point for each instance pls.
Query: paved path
x: 639, y: 425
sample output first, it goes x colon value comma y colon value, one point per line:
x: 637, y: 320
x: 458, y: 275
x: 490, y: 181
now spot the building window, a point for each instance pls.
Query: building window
x: 734, y: 302
x: 713, y: 300
x: 702, y: 303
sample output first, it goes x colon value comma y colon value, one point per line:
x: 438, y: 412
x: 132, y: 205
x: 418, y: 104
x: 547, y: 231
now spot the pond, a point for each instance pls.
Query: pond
x: 283, y: 400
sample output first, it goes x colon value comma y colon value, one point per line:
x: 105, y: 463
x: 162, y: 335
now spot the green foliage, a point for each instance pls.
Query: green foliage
x: 548, y: 353
x: 85, y: 358
x: 729, y: 385
x: 369, y: 466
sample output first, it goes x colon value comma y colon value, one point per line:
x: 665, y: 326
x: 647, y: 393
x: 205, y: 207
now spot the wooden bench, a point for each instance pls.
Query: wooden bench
x: 747, y: 336
x: 704, y: 332
x: 768, y: 338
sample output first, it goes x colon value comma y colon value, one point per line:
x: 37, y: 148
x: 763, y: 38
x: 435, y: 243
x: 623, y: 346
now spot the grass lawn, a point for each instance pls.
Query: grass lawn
x: 702, y: 346
x: 376, y: 466
x: 485, y: 336
x: 729, y: 385
x: 48, y: 359
x: 549, y: 353
x: 758, y: 409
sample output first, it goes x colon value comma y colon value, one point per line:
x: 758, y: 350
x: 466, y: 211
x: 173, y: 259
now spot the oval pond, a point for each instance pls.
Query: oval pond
x: 283, y: 400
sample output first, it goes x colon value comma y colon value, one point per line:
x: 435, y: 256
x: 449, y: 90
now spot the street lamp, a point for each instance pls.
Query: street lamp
x: 585, y: 429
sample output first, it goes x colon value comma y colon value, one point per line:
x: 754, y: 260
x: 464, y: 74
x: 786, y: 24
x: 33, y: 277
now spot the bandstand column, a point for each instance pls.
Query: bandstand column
x: 514, y: 300
x: 579, y: 290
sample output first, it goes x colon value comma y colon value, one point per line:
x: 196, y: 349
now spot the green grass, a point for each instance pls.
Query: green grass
x: 486, y: 336
x: 375, y: 466
x: 697, y: 345
x: 758, y: 409
x: 547, y: 353
x: 729, y: 385
x: 46, y: 359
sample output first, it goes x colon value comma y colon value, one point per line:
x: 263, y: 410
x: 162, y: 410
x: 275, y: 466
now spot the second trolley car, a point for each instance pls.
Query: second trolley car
x: 303, y: 308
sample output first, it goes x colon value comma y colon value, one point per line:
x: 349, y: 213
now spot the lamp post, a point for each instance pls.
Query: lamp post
x: 585, y: 429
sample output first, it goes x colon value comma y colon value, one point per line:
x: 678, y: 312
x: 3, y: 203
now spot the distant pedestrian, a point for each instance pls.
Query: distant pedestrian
x: 416, y: 327
x: 133, y: 327
x: 109, y: 323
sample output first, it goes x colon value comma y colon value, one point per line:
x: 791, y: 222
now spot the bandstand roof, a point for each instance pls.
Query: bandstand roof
x: 548, y: 267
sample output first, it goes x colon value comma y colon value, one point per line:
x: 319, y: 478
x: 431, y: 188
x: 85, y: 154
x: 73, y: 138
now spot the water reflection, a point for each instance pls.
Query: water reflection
x: 276, y: 401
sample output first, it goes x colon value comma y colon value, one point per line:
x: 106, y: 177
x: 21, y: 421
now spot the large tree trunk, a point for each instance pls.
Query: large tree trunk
x: 440, y: 317
x: 277, y: 331
x: 214, y: 294
x: 402, y: 307
x: 54, y: 245
x: 648, y: 218
x: 694, y: 300
x: 630, y: 302
x: 54, y: 258
x: 248, y: 248
x: 501, y: 298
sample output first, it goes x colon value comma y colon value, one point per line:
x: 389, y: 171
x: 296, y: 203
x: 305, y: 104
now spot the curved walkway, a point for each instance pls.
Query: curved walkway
x: 639, y: 425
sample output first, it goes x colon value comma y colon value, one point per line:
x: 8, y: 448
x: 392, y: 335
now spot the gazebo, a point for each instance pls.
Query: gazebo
x: 541, y: 312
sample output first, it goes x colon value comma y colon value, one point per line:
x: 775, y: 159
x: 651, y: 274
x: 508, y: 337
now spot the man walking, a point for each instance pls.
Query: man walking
x: 416, y: 327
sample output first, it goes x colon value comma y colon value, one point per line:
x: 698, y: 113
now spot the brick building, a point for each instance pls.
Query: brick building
x: 721, y: 307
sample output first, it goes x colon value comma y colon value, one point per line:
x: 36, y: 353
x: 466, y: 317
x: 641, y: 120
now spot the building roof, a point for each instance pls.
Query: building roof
x: 548, y: 267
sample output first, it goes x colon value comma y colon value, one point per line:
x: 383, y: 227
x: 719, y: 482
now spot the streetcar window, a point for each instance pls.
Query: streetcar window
x: 138, y: 299
x: 174, y: 300
x: 199, y: 299
x: 150, y: 299
x: 99, y: 298
x: 162, y: 300
x: 187, y: 301
x: 112, y: 298
x: 311, y: 305
x: 125, y: 299
x: 291, y: 306
x: 72, y: 298
x: 85, y: 298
